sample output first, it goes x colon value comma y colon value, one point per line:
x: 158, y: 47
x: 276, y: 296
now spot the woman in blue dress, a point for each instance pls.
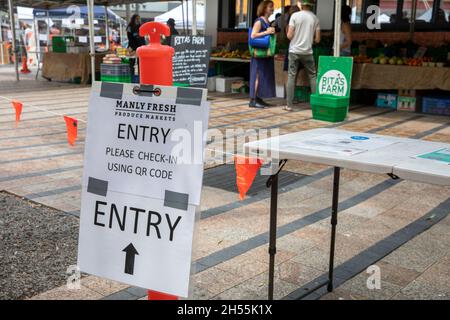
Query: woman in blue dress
x: 262, y: 71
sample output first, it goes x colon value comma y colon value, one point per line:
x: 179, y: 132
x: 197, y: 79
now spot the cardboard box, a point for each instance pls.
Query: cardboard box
x: 211, y: 84
x: 77, y: 50
x: 223, y: 84
x: 279, y: 89
x: 236, y: 86
x: 406, y: 104
x: 436, y: 105
x: 386, y: 100
x: 407, y: 93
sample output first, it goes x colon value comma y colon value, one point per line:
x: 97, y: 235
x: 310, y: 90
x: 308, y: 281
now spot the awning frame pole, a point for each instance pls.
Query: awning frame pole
x: 90, y: 5
x: 194, y: 17
x: 412, y: 24
x: 1, y: 42
x: 107, y: 27
x: 12, y: 22
x: 337, y: 28
x: 121, y: 33
x: 182, y: 14
x: 48, y: 30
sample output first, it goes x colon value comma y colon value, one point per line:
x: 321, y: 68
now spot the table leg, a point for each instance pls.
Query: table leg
x: 334, y: 218
x: 272, y: 182
x: 273, y: 232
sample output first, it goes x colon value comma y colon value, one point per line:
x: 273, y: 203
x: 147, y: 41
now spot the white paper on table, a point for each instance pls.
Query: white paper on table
x: 97, y: 39
x: 342, y: 143
x: 439, y: 155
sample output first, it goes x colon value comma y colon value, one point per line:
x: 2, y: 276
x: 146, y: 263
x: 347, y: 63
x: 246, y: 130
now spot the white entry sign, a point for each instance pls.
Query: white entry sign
x: 141, y: 184
x: 146, y: 145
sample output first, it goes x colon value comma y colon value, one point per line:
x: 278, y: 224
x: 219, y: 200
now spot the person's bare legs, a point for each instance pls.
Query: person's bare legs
x: 256, y: 85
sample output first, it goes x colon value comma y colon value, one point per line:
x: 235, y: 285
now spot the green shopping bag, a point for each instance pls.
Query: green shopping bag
x: 266, y: 52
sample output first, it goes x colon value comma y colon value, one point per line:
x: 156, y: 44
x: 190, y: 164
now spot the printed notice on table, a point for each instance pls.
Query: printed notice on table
x: 191, y: 60
x: 342, y: 143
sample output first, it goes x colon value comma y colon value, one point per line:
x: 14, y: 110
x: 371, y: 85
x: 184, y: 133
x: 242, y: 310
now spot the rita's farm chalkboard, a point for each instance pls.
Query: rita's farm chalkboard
x: 191, y: 60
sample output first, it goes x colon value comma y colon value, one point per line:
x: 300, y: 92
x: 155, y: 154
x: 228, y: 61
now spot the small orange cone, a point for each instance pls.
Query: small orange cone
x: 24, y: 66
x: 155, y: 295
x: 72, y: 129
x: 246, y: 169
x: 18, y: 107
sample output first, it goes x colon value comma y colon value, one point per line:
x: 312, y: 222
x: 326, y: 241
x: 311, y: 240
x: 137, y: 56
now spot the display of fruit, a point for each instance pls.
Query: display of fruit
x: 234, y: 54
x: 362, y: 59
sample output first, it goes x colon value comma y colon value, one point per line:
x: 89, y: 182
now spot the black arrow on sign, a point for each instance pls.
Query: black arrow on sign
x: 131, y: 252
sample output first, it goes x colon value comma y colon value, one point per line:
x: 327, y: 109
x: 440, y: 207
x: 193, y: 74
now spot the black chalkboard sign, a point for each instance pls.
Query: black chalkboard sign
x: 191, y: 60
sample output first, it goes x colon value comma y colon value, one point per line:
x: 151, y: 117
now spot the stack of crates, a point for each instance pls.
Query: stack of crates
x: 407, y: 100
x: 332, y: 97
x: 302, y: 94
x: 329, y: 108
x: 119, y: 72
x: 436, y: 105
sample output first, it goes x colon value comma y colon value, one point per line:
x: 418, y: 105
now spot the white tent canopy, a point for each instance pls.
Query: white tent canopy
x: 180, y: 11
x: 24, y: 13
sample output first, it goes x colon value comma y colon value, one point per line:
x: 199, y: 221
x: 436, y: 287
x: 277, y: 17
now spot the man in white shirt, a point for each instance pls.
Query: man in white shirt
x: 303, y: 31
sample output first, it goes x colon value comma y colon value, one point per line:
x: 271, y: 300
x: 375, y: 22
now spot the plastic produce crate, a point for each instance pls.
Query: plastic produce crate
x: 302, y: 94
x: 320, y: 51
x: 329, y: 108
x: 406, y: 104
x: 180, y: 84
x: 386, y: 100
x: 436, y: 105
x: 121, y: 79
x: 59, y: 43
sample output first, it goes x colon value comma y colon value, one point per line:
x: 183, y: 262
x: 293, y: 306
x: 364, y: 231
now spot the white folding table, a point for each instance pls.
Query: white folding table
x: 410, y: 159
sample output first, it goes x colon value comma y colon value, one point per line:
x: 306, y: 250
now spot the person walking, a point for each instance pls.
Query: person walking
x: 134, y: 39
x: 262, y: 70
x: 303, y: 31
x: 346, y: 32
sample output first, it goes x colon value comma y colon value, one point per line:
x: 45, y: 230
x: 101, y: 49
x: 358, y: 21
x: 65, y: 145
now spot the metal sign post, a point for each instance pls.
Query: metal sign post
x: 90, y: 7
x: 12, y: 22
x: 337, y: 28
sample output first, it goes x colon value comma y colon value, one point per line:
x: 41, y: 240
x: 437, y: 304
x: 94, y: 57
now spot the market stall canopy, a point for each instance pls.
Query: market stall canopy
x: 179, y: 12
x: 99, y: 13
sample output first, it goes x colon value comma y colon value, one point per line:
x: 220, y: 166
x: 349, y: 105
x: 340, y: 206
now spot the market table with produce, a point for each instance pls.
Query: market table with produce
x: 387, y: 76
x: 59, y: 66
x: 236, y: 57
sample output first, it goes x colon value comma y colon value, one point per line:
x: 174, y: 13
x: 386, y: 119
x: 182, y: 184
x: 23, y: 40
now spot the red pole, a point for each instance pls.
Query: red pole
x: 155, y: 295
x: 156, y: 68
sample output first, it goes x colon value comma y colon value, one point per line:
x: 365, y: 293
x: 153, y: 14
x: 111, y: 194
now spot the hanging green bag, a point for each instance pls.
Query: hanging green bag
x: 265, y: 52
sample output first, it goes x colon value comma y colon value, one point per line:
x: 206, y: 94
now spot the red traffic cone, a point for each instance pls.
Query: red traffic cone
x: 24, y: 66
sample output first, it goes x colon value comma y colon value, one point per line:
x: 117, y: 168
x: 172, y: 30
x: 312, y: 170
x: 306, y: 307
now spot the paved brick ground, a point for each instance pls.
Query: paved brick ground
x: 378, y: 215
